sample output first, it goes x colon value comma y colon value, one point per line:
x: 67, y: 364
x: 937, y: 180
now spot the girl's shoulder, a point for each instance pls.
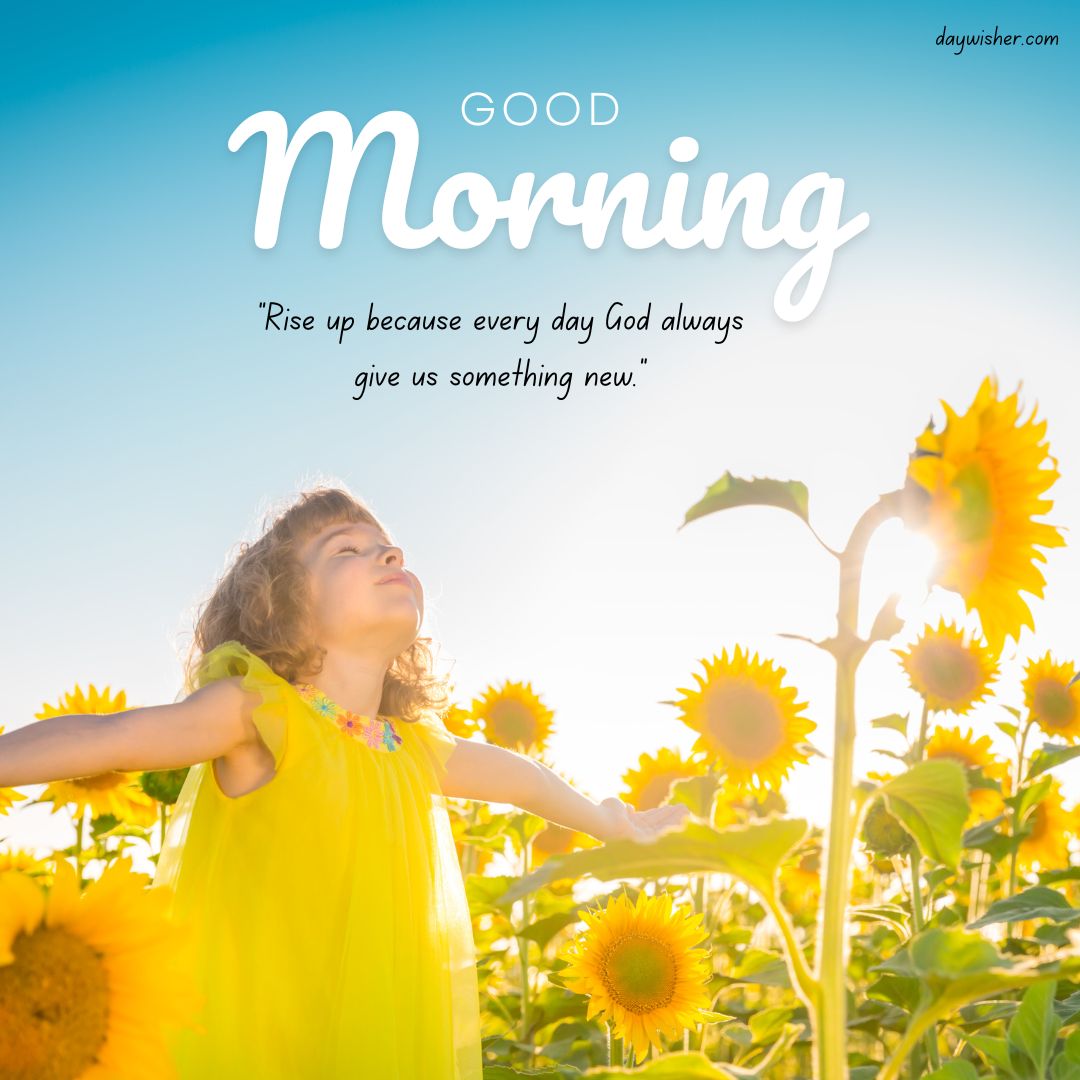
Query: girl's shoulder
x: 267, y: 693
x: 232, y: 658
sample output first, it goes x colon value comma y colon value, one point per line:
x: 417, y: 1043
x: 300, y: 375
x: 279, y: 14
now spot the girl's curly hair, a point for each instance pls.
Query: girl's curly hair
x: 262, y: 601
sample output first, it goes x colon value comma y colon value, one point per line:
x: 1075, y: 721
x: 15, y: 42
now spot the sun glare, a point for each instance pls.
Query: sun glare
x: 898, y: 562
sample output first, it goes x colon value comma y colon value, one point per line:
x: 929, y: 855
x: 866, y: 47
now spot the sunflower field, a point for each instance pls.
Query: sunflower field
x: 931, y: 929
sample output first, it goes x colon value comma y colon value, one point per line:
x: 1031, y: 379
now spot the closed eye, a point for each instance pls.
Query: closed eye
x: 356, y: 549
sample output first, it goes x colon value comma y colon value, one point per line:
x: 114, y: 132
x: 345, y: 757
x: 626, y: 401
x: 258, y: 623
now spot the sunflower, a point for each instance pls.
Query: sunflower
x: 1052, y: 696
x: 460, y: 722
x: 9, y: 795
x: 984, y: 475
x: 725, y: 808
x: 86, y: 982
x: 1050, y: 826
x: 115, y: 793
x: 800, y: 883
x: 973, y: 753
x: 19, y: 859
x: 640, y: 968
x: 512, y: 716
x: 747, y: 719
x: 951, y: 670
x: 647, y: 786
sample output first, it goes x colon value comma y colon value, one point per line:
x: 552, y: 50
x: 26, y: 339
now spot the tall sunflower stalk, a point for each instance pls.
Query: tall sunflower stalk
x: 846, y: 805
x: 975, y: 487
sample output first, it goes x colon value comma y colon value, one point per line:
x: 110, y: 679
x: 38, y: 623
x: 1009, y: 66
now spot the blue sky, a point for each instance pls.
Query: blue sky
x: 150, y: 423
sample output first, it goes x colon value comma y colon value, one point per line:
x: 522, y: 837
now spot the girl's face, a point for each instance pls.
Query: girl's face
x: 360, y: 589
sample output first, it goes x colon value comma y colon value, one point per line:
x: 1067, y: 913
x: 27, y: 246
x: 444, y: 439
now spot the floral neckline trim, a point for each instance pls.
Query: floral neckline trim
x: 379, y: 734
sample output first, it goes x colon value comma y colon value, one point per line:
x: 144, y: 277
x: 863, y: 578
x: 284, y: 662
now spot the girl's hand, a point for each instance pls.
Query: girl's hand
x: 621, y: 821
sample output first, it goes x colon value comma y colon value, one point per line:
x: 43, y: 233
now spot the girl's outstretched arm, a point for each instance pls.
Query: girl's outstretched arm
x: 476, y: 770
x: 208, y: 723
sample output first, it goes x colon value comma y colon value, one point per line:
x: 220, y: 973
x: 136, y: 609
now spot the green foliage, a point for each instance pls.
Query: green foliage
x: 1037, y: 902
x: 165, y: 784
x: 1033, y: 1030
x: 696, y: 792
x: 930, y: 801
x: 731, y: 491
x: 752, y: 853
x: 1049, y: 757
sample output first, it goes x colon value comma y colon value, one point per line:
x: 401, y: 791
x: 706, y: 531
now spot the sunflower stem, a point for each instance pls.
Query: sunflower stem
x: 802, y: 978
x: 523, y: 955
x: 919, y: 920
x: 920, y: 746
x: 830, y: 1015
x: 616, y: 1052
x: 80, y: 853
x: 470, y: 850
x: 1015, y: 817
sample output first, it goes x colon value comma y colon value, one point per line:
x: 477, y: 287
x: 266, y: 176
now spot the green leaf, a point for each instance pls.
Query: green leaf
x: 707, y: 1016
x: 767, y: 1024
x: 892, y: 722
x: 1049, y: 757
x: 1038, y: 902
x: 891, y: 914
x: 938, y: 955
x: 761, y: 968
x: 697, y: 792
x: 1033, y: 1030
x: 954, y: 1070
x: 930, y: 801
x: 731, y: 491
x: 504, y: 1072
x: 1055, y: 877
x: 994, y: 1049
x: 487, y: 893
x: 1064, y: 1068
x: 958, y: 967
x: 524, y: 826
x: 691, y: 1065
x: 1029, y: 796
x: 750, y: 852
x: 897, y: 990
x: 985, y: 837
x: 543, y: 930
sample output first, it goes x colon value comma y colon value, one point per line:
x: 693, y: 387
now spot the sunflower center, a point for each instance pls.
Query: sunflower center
x: 55, y: 1002
x: 1053, y: 705
x: 947, y: 670
x: 639, y: 973
x: 745, y: 723
x: 514, y: 723
x: 975, y: 519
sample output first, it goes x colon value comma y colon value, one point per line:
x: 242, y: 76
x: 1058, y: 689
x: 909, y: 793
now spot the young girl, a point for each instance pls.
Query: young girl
x: 310, y: 848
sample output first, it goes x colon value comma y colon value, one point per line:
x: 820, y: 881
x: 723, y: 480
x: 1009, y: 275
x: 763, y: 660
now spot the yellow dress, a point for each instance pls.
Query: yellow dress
x: 331, y: 931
